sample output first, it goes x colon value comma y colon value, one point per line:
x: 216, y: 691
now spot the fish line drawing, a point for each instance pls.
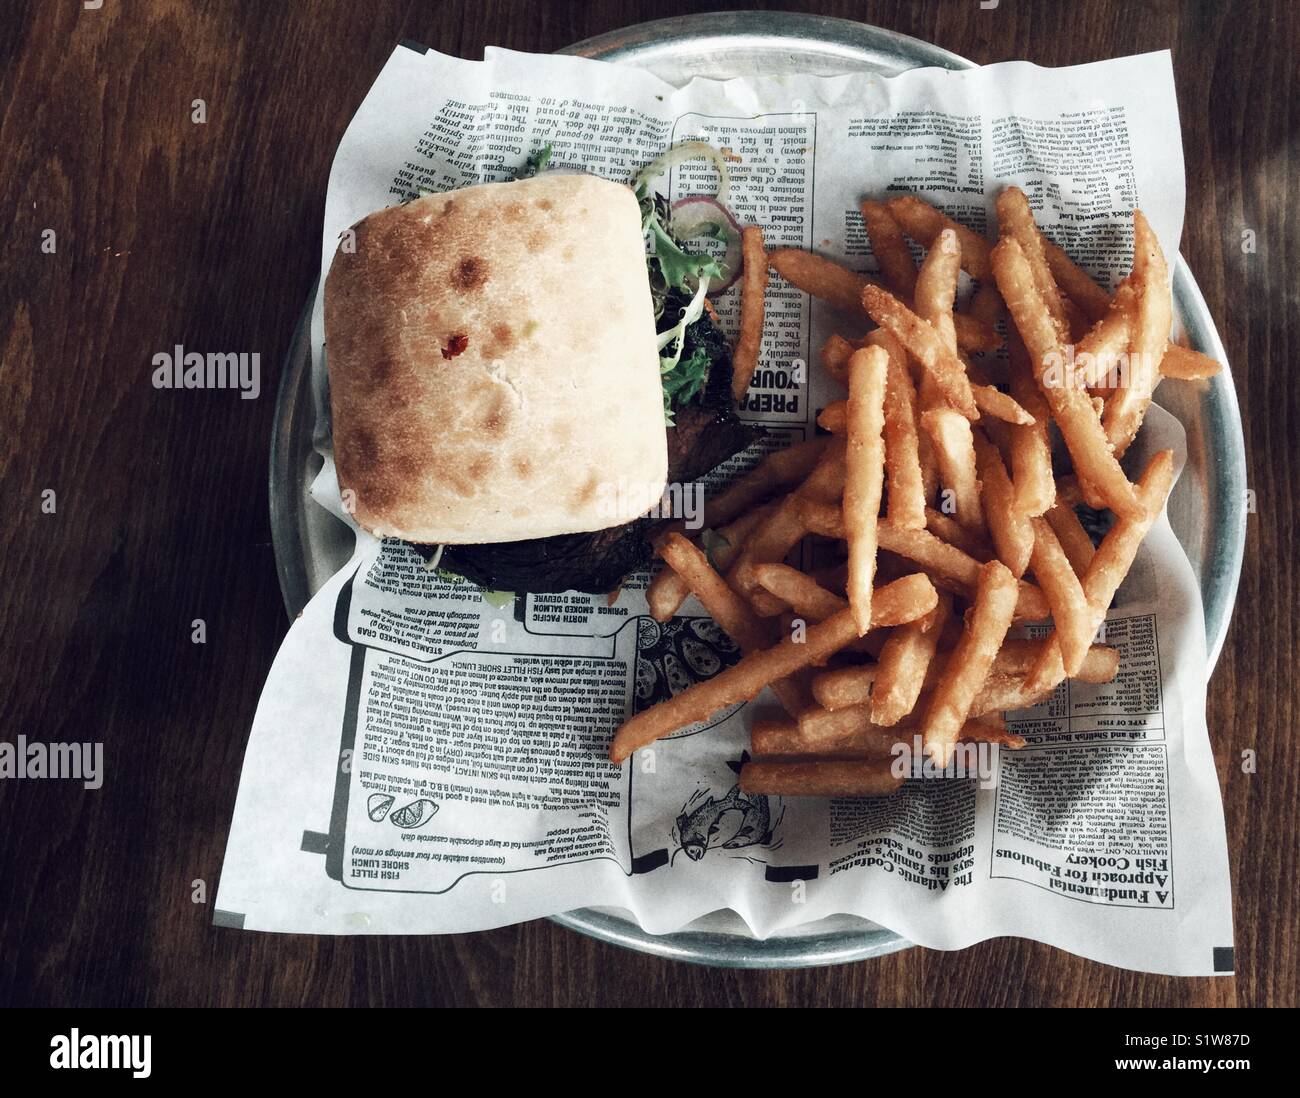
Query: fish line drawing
x: 733, y: 822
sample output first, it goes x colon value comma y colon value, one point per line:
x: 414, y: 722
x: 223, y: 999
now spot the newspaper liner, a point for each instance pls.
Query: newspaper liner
x: 427, y: 758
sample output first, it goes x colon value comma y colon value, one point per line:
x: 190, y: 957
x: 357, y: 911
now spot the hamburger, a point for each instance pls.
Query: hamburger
x: 514, y: 381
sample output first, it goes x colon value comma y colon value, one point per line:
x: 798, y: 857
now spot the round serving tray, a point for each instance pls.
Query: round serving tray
x: 1207, y: 509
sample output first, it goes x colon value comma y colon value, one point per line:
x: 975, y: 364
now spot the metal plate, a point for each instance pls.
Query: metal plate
x: 1207, y: 509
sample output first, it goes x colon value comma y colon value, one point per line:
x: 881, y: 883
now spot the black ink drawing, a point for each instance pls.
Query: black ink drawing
x: 416, y: 814
x: 377, y: 806
x: 734, y: 822
x: 677, y: 654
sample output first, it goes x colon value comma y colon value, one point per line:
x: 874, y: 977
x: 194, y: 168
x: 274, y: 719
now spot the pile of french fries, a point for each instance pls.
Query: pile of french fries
x: 935, y: 492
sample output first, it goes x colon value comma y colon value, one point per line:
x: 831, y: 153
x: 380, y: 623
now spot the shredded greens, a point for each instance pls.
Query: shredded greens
x: 678, y: 269
x: 674, y: 272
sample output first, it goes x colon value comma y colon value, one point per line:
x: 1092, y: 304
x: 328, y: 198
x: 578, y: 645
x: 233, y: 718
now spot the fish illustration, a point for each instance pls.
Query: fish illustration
x: 698, y: 829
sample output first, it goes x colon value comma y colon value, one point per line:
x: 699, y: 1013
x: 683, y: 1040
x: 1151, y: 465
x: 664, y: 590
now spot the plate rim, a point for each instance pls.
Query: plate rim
x: 718, y: 949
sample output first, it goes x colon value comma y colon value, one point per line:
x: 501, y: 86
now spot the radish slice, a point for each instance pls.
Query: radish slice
x: 708, y: 225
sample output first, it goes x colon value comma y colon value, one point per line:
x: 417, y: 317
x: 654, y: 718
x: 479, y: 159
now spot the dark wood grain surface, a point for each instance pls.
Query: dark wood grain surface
x: 209, y: 236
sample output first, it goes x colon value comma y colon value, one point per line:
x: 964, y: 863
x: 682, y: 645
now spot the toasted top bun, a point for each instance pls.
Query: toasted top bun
x: 493, y: 368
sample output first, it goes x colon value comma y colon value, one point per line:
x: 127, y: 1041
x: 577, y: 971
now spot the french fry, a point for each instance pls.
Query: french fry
x: 835, y: 355
x: 1070, y: 609
x: 974, y: 335
x: 936, y: 291
x: 782, y: 738
x: 823, y: 730
x: 903, y: 663
x: 773, y: 737
x: 862, y: 741
x: 1016, y: 220
x: 928, y: 396
x: 668, y: 590
x: 842, y: 289
x: 741, y: 682
x: 1018, y: 655
x: 775, y: 472
x: 1128, y: 404
x: 936, y: 286
x: 1076, y: 318
x: 925, y: 344
x: 993, y: 402
x: 1003, y: 693
x: 986, y: 304
x: 948, y: 529
x: 1187, y: 365
x: 765, y: 605
x: 737, y: 533
x: 1012, y: 534
x: 990, y: 728
x: 834, y: 417
x: 819, y: 778
x: 906, y: 502
x: 1110, y: 564
x: 665, y: 594
x: 903, y: 600
x: 820, y: 277
x: 990, y: 400
x: 798, y: 591
x: 844, y: 686
x: 794, y: 692
x: 851, y: 734
x: 923, y: 223
x: 724, y: 605
x: 1083, y: 433
x: 968, y: 666
x: 864, y: 474
x: 1077, y: 283
x: 889, y: 247
x: 780, y: 532
x: 1073, y: 537
x: 1030, y: 445
x: 753, y: 287
x: 1097, y: 354
x: 952, y: 444
x: 732, y: 613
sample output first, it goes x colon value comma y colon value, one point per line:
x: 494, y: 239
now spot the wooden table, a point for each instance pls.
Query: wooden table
x: 209, y: 236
